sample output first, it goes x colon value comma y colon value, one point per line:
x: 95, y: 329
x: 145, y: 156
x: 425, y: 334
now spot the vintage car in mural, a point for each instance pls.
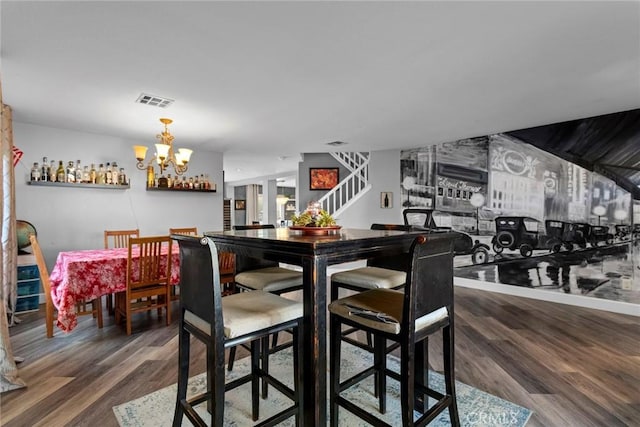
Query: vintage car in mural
x: 563, y: 234
x: 463, y: 245
x: 623, y: 232
x: 517, y: 233
x: 595, y: 235
x: 582, y: 234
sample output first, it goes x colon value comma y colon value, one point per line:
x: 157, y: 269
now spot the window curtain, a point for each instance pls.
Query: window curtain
x: 9, y: 379
x: 253, y: 213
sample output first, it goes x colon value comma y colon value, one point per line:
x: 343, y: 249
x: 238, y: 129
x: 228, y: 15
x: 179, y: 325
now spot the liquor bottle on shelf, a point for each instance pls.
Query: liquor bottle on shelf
x: 61, y: 174
x: 35, y: 172
x: 114, y: 173
x: 71, y: 172
x: 44, y: 171
x: 108, y: 175
x: 93, y: 175
x: 78, y: 172
x: 207, y: 183
x: 150, y: 177
x: 196, y: 183
x: 169, y: 181
x: 86, y: 175
x: 162, y: 182
x: 52, y: 171
x: 122, y: 178
x: 102, y: 175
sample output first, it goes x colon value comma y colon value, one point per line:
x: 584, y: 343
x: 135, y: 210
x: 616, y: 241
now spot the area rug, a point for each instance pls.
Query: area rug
x: 475, y: 407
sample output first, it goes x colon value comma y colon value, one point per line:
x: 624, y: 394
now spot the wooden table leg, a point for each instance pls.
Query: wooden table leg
x: 315, y: 342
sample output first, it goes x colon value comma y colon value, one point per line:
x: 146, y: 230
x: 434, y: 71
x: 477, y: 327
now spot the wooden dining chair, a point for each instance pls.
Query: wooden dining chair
x: 189, y: 231
x: 117, y: 239
x: 219, y: 323
x: 407, y: 318
x: 227, y: 265
x: 148, y: 279
x: 82, y: 306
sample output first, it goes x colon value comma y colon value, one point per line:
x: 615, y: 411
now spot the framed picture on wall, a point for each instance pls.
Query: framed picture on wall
x: 323, y: 178
x: 241, y: 205
x: 386, y: 200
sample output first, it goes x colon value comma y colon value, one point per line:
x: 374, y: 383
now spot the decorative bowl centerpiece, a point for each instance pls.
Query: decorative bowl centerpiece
x: 314, y: 220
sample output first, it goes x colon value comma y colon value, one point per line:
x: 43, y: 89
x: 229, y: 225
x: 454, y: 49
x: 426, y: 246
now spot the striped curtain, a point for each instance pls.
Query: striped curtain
x: 9, y: 379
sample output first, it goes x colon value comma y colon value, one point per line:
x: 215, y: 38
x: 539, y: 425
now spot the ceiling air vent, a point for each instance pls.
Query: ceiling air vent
x: 154, y: 101
x: 336, y: 143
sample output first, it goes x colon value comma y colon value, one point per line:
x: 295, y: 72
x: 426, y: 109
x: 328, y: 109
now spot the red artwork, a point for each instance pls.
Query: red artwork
x: 323, y: 178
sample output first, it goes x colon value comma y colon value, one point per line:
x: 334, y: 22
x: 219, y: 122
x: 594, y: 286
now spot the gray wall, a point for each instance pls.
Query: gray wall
x: 75, y: 218
x: 384, y: 176
x: 314, y: 160
x: 239, y: 216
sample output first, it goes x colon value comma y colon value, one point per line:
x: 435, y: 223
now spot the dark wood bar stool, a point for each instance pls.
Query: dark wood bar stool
x: 220, y: 323
x: 263, y: 275
x: 389, y: 272
x: 408, y: 318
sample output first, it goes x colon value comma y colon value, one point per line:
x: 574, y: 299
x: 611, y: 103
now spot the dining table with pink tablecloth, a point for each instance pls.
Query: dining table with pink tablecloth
x: 89, y: 274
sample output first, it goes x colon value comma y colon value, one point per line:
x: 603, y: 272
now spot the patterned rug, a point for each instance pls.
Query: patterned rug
x: 476, y: 408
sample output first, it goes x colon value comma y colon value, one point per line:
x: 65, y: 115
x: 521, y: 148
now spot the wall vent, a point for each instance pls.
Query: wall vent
x: 154, y: 101
x: 337, y: 143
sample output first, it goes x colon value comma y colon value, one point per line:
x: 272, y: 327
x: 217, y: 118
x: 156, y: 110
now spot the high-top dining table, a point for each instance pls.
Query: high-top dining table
x: 314, y: 253
x: 89, y: 274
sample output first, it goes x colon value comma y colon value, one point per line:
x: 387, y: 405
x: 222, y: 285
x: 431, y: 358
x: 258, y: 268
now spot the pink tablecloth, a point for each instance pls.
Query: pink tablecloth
x: 89, y: 274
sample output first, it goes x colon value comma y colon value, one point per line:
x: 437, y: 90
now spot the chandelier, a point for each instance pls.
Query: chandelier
x: 165, y: 156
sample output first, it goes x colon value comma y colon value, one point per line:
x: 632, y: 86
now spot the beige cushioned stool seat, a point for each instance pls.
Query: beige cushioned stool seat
x: 269, y: 279
x: 387, y: 304
x: 248, y: 312
x: 371, y: 277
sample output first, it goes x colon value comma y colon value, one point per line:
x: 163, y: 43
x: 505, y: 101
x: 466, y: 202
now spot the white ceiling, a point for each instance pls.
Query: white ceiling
x: 264, y: 81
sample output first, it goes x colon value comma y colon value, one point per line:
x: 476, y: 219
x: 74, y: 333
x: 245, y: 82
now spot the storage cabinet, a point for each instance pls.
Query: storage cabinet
x: 28, y: 284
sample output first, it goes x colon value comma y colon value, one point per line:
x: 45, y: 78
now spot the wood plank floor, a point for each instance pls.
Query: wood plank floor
x: 571, y: 366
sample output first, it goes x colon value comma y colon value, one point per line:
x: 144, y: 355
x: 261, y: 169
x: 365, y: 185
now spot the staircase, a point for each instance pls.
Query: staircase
x: 351, y: 188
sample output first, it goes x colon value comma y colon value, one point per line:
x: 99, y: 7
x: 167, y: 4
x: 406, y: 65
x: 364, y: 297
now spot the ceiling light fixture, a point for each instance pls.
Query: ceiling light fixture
x: 165, y: 155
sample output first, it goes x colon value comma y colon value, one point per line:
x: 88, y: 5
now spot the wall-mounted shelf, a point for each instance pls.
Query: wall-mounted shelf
x: 184, y: 190
x: 68, y: 184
